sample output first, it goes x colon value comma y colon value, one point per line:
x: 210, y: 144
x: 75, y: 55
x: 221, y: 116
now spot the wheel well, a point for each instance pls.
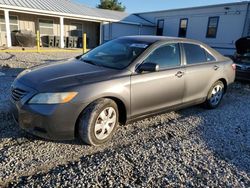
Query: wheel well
x: 225, y: 84
x: 121, y: 109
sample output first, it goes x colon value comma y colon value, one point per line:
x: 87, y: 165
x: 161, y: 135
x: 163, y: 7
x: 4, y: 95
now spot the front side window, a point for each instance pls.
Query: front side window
x: 165, y: 56
x: 196, y: 54
x: 46, y: 27
x: 116, y: 54
x: 212, y: 27
x: 183, y: 27
x: 13, y: 23
x: 210, y: 57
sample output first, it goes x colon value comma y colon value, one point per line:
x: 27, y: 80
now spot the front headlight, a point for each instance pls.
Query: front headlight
x: 53, y: 98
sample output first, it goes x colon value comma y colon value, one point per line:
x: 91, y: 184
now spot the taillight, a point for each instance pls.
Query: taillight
x: 234, y: 66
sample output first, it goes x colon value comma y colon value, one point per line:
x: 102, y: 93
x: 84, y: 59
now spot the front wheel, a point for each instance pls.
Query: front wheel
x: 98, y: 122
x: 215, y: 95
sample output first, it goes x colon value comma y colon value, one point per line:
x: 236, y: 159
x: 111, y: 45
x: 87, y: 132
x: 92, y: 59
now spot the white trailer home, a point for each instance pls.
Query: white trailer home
x: 218, y: 25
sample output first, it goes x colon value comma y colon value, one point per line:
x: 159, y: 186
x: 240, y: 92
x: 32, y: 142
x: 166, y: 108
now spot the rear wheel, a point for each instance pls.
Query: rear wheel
x: 98, y: 122
x: 215, y: 95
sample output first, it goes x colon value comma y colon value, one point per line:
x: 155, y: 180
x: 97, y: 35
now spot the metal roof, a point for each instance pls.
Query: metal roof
x: 68, y: 7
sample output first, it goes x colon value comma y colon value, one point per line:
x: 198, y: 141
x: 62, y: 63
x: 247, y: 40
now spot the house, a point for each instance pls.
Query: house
x: 218, y: 25
x: 63, y: 18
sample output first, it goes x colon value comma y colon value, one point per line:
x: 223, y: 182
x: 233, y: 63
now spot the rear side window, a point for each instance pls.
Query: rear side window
x: 165, y: 56
x: 210, y: 57
x: 196, y: 54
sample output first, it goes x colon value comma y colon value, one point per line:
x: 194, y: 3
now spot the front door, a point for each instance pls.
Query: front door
x: 153, y: 91
x: 160, y: 27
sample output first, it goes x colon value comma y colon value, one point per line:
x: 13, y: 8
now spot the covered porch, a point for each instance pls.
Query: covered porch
x: 55, y: 30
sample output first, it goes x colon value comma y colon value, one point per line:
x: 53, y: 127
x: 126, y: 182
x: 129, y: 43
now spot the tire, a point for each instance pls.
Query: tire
x: 98, y: 122
x: 215, y: 95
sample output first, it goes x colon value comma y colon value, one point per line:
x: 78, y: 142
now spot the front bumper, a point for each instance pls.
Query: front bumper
x: 56, y: 122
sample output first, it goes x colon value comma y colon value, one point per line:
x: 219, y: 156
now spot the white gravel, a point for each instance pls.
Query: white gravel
x: 193, y: 147
x: 25, y: 60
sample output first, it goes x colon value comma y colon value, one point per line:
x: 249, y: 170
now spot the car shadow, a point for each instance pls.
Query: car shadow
x: 224, y: 132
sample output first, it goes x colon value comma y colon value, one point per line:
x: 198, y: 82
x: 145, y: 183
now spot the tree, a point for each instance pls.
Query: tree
x: 111, y: 5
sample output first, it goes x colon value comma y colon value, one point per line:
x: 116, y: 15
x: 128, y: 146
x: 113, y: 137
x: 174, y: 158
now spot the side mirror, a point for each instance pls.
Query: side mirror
x: 148, y: 67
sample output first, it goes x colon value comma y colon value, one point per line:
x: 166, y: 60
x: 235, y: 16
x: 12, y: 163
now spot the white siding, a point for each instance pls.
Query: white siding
x: 230, y: 27
x: 119, y: 29
x: 247, y: 23
x: 147, y: 30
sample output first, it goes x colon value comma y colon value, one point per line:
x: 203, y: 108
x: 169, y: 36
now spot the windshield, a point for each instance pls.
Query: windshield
x: 116, y: 54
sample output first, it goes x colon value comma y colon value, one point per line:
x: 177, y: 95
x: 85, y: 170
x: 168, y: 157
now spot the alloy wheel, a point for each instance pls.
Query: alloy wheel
x: 216, y: 95
x: 105, y: 123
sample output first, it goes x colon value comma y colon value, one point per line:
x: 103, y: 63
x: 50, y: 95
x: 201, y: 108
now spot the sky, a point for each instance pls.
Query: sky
x: 134, y: 6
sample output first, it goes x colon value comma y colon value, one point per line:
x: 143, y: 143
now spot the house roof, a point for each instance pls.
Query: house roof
x: 196, y: 7
x: 67, y: 7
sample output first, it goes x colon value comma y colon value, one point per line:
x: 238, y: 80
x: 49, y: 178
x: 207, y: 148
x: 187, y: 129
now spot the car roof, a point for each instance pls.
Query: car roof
x: 153, y: 39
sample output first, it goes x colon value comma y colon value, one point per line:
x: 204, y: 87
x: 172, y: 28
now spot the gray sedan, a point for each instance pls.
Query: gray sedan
x: 118, y: 82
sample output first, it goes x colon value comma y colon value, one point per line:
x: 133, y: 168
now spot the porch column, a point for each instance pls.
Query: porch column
x: 110, y: 30
x: 62, y: 32
x: 7, y: 26
x: 101, y: 33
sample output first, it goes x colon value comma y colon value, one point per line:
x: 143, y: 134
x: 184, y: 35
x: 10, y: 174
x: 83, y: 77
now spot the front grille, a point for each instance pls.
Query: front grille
x: 18, y: 94
x: 243, y: 67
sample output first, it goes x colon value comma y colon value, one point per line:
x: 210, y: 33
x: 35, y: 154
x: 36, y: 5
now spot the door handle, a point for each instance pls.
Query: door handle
x: 179, y: 74
x: 216, y: 67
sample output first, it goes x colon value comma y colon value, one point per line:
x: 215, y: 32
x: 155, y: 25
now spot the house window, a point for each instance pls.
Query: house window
x: 13, y: 23
x: 212, y: 27
x: 46, y: 27
x: 160, y: 27
x: 248, y: 33
x: 76, y: 29
x: 183, y: 27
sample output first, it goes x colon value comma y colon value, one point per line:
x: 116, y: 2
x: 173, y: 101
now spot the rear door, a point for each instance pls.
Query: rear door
x: 200, y: 69
x: 153, y: 91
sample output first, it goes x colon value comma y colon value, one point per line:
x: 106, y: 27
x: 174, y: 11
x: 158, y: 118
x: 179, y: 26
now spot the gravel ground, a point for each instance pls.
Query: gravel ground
x: 26, y: 60
x: 193, y: 147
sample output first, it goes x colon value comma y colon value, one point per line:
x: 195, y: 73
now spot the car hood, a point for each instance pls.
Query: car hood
x: 60, y: 75
x: 243, y: 45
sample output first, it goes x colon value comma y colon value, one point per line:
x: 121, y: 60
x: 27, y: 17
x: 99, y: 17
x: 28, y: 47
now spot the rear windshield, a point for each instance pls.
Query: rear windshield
x: 116, y: 54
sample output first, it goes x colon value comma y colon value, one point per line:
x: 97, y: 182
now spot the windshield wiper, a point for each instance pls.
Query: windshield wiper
x: 94, y: 63
x: 89, y: 61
